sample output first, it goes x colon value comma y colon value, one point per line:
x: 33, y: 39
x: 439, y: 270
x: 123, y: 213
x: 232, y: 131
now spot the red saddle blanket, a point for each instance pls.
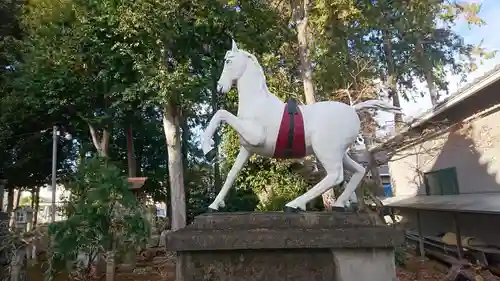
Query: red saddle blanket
x: 291, y: 142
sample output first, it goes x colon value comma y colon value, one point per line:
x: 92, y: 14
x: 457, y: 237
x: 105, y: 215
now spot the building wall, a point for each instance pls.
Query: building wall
x: 473, y: 149
x: 44, y: 214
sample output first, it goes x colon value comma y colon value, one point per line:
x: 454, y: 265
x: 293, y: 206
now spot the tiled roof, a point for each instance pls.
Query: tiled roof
x: 463, y: 93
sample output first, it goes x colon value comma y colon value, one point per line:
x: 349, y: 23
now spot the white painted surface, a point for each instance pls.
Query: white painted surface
x: 364, y: 265
x: 487, y: 203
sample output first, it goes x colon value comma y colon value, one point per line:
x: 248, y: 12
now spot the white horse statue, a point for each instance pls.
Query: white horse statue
x: 271, y: 128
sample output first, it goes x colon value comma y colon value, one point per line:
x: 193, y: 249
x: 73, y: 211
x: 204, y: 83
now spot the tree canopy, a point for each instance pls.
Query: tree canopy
x: 99, y: 69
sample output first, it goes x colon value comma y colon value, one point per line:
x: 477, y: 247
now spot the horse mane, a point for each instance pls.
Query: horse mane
x: 259, y: 67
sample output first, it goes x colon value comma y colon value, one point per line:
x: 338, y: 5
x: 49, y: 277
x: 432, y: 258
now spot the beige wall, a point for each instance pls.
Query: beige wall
x: 474, y: 150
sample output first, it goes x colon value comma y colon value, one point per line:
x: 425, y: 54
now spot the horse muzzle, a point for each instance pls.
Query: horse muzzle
x: 223, y: 89
x: 220, y: 88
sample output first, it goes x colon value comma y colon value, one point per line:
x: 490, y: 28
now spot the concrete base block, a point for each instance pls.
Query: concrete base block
x: 278, y: 246
x: 364, y: 264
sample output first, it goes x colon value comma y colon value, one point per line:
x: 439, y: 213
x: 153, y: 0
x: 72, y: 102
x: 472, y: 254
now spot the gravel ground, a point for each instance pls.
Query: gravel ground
x: 414, y: 270
x: 417, y: 270
x: 162, y: 268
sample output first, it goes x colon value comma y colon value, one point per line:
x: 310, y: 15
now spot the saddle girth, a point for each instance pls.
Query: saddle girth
x: 292, y: 109
x: 291, y: 142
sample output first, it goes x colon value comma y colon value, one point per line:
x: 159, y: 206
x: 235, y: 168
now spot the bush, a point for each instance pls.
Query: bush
x: 400, y: 255
x: 102, y: 213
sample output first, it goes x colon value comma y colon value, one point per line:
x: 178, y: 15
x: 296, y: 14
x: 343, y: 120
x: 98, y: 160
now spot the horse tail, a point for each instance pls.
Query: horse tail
x: 377, y: 104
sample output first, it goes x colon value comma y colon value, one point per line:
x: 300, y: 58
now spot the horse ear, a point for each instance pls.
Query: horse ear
x: 234, y: 47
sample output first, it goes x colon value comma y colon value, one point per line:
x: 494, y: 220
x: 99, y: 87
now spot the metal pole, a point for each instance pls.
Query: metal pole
x: 54, y: 167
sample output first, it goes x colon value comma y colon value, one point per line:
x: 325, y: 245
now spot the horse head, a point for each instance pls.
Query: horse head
x: 235, y: 63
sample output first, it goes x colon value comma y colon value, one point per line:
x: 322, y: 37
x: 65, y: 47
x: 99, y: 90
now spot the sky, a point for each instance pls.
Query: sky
x: 490, y: 11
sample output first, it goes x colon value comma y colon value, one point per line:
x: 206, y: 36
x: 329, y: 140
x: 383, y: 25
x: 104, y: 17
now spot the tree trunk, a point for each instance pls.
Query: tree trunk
x: 215, y: 107
x: 302, y: 20
x: 185, y: 135
x: 18, y: 198
x: 301, y: 14
x: 37, y: 205
x: 131, y: 161
x: 392, y: 79
x: 432, y: 89
x: 375, y: 173
x: 398, y: 118
x: 429, y: 77
x: 101, y: 144
x: 32, y: 203
x: 368, y: 131
x: 10, y: 199
x: 171, y: 126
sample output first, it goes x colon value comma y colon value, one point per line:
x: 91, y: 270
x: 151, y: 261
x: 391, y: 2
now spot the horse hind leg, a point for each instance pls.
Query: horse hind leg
x: 332, y: 162
x: 356, y: 178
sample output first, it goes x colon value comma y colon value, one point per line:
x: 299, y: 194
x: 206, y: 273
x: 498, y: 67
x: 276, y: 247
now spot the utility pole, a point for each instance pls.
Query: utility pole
x: 54, y: 170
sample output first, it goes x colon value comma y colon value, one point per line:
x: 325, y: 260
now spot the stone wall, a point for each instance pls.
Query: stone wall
x: 4, y: 255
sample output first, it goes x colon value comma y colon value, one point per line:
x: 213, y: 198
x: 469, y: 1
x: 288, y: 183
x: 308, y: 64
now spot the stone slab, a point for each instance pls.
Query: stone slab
x: 258, y: 265
x: 276, y: 246
x: 278, y: 220
x: 196, y: 240
x: 4, y: 231
x: 364, y: 264
x: 244, y: 231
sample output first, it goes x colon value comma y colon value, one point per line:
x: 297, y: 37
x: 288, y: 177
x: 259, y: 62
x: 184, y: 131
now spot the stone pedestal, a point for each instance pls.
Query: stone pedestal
x: 276, y: 246
x: 5, y: 251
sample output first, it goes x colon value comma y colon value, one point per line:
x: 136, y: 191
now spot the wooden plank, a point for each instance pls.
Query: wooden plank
x: 137, y: 182
x: 458, y: 236
x: 489, y: 250
x: 420, y: 235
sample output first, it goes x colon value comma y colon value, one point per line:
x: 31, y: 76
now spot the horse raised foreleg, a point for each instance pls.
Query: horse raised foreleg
x: 251, y: 132
x: 240, y: 161
x: 356, y: 178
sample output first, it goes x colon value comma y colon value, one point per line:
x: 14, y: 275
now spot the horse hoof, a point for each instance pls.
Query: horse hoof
x: 210, y: 210
x: 355, y: 207
x: 287, y: 209
x: 338, y: 209
x: 210, y: 156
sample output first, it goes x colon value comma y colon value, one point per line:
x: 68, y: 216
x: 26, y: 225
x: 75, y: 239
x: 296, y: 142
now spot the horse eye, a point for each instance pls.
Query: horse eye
x: 228, y: 61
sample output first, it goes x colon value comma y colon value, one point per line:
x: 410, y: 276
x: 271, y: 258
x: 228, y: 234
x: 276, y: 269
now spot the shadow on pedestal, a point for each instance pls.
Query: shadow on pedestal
x: 276, y: 246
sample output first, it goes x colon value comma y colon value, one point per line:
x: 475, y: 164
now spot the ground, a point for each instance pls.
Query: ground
x: 416, y: 270
x: 162, y: 268
x: 159, y: 269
